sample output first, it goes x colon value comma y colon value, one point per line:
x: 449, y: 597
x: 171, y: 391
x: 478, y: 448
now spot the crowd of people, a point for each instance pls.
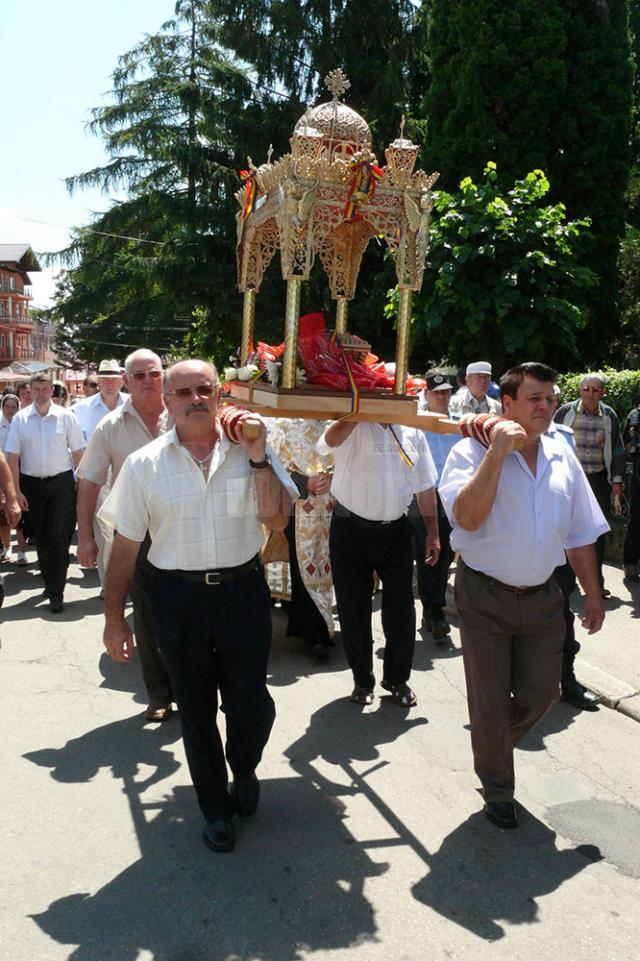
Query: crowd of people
x: 172, y: 507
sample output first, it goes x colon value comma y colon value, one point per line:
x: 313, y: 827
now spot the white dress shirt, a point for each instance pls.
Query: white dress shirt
x: 533, y: 519
x: 90, y: 411
x: 196, y: 524
x: 44, y: 443
x: 371, y: 477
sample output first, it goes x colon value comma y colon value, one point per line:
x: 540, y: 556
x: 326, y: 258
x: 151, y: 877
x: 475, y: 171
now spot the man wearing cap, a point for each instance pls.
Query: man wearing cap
x: 432, y: 581
x: 473, y: 399
x: 514, y: 513
x: 90, y: 410
x: 378, y: 470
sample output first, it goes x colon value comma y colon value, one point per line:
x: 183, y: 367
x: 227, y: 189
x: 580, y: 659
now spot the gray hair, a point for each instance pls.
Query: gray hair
x: 597, y: 377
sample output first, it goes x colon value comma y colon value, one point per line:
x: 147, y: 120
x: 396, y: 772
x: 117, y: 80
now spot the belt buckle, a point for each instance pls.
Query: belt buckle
x: 520, y: 590
x: 211, y: 578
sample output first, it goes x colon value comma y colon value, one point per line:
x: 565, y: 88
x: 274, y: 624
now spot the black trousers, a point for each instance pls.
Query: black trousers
x: 432, y: 581
x: 216, y: 640
x: 357, y: 550
x: 631, y: 552
x: 566, y: 581
x: 154, y: 671
x: 599, y: 483
x: 52, y: 513
x: 305, y: 620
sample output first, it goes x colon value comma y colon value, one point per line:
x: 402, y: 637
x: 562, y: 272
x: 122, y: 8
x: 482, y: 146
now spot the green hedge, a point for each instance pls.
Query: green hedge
x: 622, y: 388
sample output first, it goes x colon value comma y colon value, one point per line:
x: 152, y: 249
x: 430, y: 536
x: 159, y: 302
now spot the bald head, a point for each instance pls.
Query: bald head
x: 141, y: 355
x: 190, y: 368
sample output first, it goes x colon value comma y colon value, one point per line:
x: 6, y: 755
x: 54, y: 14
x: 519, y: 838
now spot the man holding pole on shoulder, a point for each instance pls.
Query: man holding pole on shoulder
x: 514, y: 509
x: 203, y: 500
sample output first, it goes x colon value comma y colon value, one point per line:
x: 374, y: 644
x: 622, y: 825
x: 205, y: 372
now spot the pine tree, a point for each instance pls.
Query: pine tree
x: 141, y: 269
x: 540, y: 84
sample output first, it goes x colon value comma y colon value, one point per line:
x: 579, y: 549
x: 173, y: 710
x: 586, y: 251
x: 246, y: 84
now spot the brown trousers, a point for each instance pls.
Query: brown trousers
x: 512, y: 652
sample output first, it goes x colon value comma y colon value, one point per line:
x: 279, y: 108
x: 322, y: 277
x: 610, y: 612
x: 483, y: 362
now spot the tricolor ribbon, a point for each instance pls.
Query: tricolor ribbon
x: 361, y: 189
x: 250, y: 192
x: 401, y: 449
x: 355, y: 392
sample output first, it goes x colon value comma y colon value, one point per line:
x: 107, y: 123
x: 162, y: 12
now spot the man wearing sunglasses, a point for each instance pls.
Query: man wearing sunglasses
x: 136, y: 422
x: 203, y: 500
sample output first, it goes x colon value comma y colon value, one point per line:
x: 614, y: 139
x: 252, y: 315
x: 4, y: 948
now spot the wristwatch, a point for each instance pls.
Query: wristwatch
x: 260, y: 464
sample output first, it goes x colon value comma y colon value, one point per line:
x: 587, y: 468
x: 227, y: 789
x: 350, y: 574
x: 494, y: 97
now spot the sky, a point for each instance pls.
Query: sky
x: 57, y: 61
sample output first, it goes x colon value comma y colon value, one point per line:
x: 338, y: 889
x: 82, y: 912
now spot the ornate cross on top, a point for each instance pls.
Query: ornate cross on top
x: 337, y: 83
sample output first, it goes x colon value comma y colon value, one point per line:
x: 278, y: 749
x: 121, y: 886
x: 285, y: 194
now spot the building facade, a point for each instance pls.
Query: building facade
x: 18, y: 340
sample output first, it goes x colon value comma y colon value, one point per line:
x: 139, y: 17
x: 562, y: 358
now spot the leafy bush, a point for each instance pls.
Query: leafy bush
x: 622, y: 388
x: 503, y: 275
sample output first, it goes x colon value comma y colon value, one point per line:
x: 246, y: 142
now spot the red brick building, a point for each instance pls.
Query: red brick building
x: 16, y: 327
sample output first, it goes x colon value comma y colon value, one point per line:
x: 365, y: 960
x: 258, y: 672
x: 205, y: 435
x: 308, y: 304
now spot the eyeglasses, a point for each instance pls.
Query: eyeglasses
x: 92, y: 383
x: 153, y: 374
x: 202, y: 390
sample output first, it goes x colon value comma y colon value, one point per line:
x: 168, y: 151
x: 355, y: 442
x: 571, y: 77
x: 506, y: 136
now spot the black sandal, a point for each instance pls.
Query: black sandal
x: 401, y: 694
x: 362, y: 695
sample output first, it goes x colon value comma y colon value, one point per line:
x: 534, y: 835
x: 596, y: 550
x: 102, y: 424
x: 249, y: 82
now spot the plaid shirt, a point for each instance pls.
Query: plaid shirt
x: 588, y: 432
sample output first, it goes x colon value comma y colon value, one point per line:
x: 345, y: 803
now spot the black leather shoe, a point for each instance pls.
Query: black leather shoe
x: 580, y: 696
x: 502, y: 814
x: 219, y: 835
x: 246, y: 791
x: 439, y: 626
x: 55, y: 605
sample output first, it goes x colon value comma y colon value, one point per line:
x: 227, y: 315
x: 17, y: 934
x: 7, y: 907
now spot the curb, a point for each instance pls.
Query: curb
x: 613, y: 693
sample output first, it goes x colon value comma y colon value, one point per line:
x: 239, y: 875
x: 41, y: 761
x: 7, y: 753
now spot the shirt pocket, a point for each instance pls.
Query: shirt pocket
x: 239, y: 497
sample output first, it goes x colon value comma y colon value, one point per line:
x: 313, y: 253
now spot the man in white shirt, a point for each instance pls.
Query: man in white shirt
x: 43, y: 448
x: 90, y: 411
x: 515, y: 508
x: 203, y: 500
x: 132, y: 425
x: 473, y: 399
x: 378, y: 469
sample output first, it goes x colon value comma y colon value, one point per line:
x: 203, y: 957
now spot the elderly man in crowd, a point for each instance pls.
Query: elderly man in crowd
x: 90, y: 410
x: 599, y: 446
x: 134, y: 423
x: 473, y: 399
x: 43, y: 448
x: 432, y: 579
x: 203, y: 499
x: 515, y: 508
x: 378, y: 469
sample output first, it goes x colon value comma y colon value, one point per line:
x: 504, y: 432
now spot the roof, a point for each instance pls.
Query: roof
x: 20, y: 256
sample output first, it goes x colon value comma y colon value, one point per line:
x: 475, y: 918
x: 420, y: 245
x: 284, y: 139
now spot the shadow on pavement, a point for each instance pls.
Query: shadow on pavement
x: 481, y: 876
x: 294, y: 884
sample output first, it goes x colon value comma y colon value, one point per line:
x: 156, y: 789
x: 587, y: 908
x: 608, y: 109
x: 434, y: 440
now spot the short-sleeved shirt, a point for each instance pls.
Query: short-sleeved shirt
x: 91, y: 410
x: 533, y: 519
x: 195, y: 523
x: 119, y: 434
x: 44, y: 442
x: 378, y: 469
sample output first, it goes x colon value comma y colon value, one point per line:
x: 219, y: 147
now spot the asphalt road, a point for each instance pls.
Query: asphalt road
x: 369, y: 842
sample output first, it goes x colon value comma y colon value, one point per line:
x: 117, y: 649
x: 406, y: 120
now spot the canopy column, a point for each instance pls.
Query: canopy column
x: 294, y: 288
x: 402, y: 341
x: 248, y: 322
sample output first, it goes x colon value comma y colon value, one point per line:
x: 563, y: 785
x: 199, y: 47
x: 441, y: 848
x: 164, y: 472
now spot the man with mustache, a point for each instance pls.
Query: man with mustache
x: 203, y: 501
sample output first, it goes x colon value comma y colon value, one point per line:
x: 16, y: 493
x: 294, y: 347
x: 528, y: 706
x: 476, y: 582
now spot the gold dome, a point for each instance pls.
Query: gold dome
x: 339, y: 125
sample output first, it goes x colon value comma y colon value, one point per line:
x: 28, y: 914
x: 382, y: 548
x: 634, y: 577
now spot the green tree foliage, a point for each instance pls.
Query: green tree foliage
x: 502, y: 276
x: 141, y: 269
x: 540, y: 84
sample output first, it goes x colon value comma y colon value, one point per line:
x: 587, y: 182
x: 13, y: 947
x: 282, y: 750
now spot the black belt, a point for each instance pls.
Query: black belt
x: 213, y: 578
x: 341, y: 511
x: 506, y: 587
x: 50, y: 477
